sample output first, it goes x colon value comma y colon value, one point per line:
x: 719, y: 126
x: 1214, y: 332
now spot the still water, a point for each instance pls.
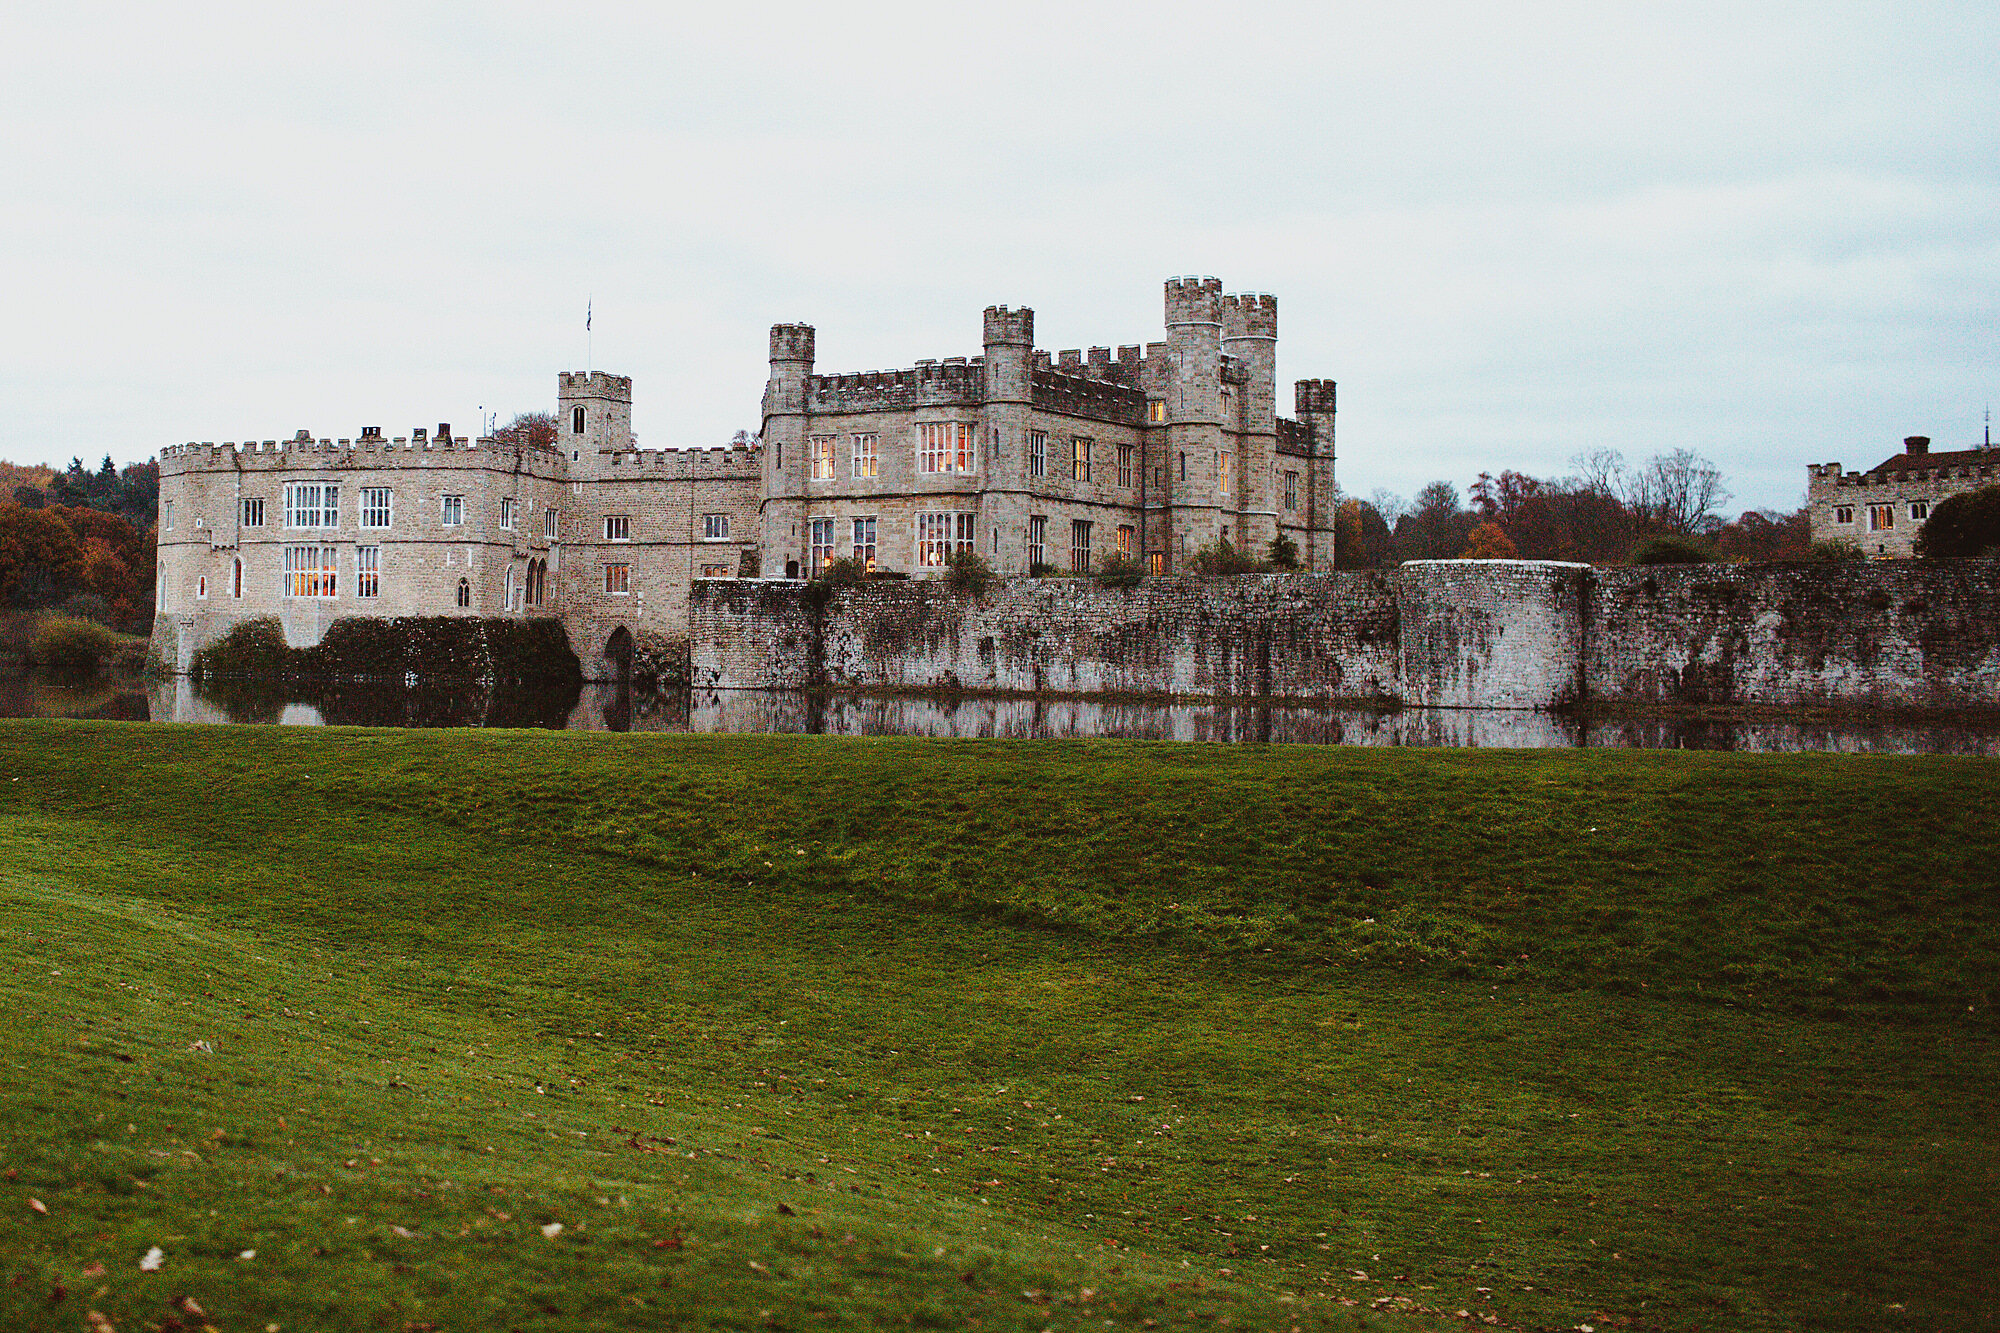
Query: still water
x: 609, y: 708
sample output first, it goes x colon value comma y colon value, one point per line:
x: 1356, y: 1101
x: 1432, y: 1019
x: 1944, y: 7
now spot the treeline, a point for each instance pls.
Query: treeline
x: 81, y: 542
x: 1605, y: 513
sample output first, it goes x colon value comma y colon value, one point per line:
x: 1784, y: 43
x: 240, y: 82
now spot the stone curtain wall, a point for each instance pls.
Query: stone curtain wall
x: 1886, y: 634
x: 1447, y: 634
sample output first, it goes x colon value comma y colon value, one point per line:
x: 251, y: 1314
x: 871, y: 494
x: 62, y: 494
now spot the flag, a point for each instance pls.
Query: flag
x: 586, y: 315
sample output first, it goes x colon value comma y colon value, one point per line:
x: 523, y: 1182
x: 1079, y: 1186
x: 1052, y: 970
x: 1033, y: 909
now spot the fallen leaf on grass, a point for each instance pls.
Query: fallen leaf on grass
x: 552, y: 1230
x: 186, y: 1305
x: 403, y: 1233
x: 93, y: 1269
x: 39, y: 1206
x: 154, y: 1258
x: 756, y: 1267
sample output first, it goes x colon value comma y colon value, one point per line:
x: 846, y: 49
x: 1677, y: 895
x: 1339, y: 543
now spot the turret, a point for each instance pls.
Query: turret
x: 593, y: 418
x: 785, y: 447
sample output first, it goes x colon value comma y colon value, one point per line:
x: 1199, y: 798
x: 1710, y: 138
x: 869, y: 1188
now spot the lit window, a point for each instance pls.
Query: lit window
x: 549, y: 524
x: 1223, y: 471
x: 1919, y: 510
x: 367, y: 571
x: 510, y: 511
x: 1843, y: 513
x: 820, y: 448
x: 464, y: 593
x: 1079, y: 459
x: 1124, y: 465
x: 1038, y: 453
x: 821, y: 535
x: 716, y: 572
x: 1126, y: 532
x: 864, y: 460
x: 1291, y: 490
x: 311, y: 571
x: 715, y: 527
x: 253, y: 513
x: 1079, y: 546
x: 864, y: 542
x: 1156, y: 563
x: 166, y: 513
x: 1038, y: 541
x: 945, y: 446
x: 618, y: 579
x: 1156, y: 410
x: 618, y: 527
x: 452, y: 510
x: 312, y: 504
x: 1881, y: 518
x: 939, y: 535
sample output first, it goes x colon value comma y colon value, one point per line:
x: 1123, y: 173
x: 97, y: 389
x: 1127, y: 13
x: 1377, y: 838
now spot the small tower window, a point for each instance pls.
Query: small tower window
x: 576, y: 421
x: 464, y: 593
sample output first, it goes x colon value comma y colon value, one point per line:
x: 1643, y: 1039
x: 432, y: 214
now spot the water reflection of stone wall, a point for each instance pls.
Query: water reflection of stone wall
x: 604, y: 707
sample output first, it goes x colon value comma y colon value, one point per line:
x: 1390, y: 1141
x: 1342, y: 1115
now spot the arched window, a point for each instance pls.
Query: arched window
x: 464, y: 593
x: 236, y: 578
x: 576, y: 421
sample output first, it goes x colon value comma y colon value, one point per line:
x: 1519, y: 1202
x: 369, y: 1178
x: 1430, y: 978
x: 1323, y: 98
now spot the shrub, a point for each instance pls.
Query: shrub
x: 1042, y: 569
x: 1119, y: 571
x: 62, y: 643
x: 1670, y: 550
x: 1833, y: 549
x: 844, y: 572
x: 1222, y: 560
x: 252, y: 648
x: 1966, y: 524
x: 1283, y: 553
x: 968, y: 572
x: 1489, y: 541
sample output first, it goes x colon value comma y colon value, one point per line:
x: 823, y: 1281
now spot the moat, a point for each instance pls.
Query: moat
x: 609, y: 708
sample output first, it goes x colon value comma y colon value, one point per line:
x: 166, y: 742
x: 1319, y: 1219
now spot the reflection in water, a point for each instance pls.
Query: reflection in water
x: 610, y: 707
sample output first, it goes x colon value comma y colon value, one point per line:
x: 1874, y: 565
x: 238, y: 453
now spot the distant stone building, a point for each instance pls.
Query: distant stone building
x: 1881, y: 509
x: 1034, y: 461
x: 1031, y: 460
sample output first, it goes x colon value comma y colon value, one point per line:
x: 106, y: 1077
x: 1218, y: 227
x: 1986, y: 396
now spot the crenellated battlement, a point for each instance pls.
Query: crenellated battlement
x: 1004, y: 327
x: 594, y: 384
x: 1313, y: 396
x: 1084, y: 396
x: 792, y: 342
x: 954, y: 380
x: 693, y: 462
x: 1193, y: 300
x: 361, y: 451
x: 1250, y: 315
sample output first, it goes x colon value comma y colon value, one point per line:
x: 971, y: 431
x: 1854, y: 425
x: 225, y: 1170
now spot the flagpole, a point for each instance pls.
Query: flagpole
x: 589, y: 338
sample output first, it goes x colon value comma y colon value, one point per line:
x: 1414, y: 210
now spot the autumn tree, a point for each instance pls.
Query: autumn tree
x: 532, y: 429
x: 1489, y: 541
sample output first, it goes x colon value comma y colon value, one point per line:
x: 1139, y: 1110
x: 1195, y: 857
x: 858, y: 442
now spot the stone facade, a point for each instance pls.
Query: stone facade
x: 1066, y: 460
x: 595, y: 529
x: 1160, y: 452
x: 1440, y: 634
x: 1880, y: 510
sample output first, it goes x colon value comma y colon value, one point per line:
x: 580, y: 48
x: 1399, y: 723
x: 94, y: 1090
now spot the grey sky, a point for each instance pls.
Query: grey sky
x: 1767, y: 232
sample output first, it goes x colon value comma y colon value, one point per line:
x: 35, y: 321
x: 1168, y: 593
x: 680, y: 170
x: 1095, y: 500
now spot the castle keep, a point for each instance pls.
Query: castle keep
x: 1881, y: 509
x: 1037, y: 462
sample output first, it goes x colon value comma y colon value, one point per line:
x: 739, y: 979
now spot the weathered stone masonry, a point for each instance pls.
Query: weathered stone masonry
x: 1447, y: 634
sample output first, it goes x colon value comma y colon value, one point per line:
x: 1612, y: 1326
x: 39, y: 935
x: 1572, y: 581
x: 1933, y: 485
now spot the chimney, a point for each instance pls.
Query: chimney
x: 1916, y: 444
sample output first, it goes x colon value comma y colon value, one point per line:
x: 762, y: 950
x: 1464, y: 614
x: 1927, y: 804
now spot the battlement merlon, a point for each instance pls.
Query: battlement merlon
x: 1194, y: 301
x: 1250, y: 315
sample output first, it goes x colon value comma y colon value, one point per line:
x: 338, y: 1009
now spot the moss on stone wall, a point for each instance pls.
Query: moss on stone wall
x: 492, y: 651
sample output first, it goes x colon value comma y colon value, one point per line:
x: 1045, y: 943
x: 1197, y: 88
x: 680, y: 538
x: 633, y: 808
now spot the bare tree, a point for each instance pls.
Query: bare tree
x: 1678, y: 492
x: 1599, y: 471
x: 529, y: 428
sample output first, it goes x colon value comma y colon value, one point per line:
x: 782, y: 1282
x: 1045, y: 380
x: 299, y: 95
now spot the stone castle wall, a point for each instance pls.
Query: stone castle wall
x: 1440, y: 634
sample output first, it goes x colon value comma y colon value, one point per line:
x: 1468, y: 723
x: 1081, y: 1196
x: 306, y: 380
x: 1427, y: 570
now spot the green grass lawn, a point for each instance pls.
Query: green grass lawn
x: 799, y: 1032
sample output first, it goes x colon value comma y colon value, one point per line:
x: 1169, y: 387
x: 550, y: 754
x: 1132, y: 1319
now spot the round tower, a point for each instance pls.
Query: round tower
x: 785, y: 422
x: 1194, y: 415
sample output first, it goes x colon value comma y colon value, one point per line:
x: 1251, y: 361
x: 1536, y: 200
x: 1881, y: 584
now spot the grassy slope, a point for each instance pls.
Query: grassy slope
x: 519, y: 963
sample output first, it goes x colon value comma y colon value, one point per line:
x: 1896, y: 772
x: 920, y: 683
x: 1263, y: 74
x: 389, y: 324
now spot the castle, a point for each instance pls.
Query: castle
x: 1038, y: 463
x: 1881, y: 509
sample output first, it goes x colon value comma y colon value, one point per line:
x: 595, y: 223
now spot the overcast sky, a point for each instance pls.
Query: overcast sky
x: 1766, y: 232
